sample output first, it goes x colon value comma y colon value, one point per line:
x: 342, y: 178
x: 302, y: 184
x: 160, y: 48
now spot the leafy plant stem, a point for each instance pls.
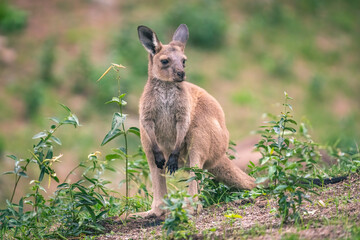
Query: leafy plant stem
x: 71, y: 172
x: 126, y: 149
x: 17, y: 179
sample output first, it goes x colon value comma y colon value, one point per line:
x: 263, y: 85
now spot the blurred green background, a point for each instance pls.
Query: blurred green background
x: 244, y: 53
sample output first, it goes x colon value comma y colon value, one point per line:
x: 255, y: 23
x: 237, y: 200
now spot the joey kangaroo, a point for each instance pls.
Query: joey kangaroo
x: 180, y: 122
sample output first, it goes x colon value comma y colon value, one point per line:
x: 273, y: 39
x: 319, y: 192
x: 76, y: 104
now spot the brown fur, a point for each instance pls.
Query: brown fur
x: 180, y: 122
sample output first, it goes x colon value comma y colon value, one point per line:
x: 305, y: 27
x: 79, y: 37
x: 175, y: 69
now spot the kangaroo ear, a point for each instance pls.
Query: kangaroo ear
x: 149, y: 40
x: 181, y: 34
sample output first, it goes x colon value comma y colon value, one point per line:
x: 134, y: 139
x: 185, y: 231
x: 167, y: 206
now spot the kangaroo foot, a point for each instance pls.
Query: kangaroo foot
x: 159, y: 159
x: 153, y: 213
x: 172, y: 164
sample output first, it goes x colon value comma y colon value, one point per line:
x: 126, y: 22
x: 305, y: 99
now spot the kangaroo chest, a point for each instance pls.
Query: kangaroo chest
x: 167, y: 109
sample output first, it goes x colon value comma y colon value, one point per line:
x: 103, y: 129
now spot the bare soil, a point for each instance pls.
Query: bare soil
x: 331, y: 215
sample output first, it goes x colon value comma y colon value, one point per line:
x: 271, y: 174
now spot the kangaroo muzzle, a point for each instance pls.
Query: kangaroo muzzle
x: 179, y: 76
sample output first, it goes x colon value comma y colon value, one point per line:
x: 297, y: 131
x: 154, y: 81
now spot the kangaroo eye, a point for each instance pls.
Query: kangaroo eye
x: 164, y: 61
x: 184, y: 61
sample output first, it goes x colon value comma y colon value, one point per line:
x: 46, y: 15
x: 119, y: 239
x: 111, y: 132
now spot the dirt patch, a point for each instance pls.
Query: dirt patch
x: 330, y: 215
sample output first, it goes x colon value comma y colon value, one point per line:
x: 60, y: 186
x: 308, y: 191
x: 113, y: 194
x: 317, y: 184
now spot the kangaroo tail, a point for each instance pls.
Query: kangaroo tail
x: 227, y: 172
x: 326, y: 181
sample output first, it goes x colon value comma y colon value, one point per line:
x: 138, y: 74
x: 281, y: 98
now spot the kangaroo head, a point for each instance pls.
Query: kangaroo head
x: 167, y: 62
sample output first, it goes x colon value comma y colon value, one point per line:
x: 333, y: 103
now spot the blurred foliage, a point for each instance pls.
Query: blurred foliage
x: 12, y: 19
x: 131, y: 54
x: 206, y: 20
x: 47, y: 61
x: 243, y: 97
x: 82, y: 74
x: 316, y: 87
x: 33, y: 99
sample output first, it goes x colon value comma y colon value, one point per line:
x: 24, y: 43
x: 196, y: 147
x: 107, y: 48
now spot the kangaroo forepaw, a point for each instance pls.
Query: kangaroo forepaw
x: 172, y: 164
x: 159, y: 159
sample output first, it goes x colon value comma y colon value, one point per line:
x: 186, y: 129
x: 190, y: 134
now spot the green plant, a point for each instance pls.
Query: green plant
x: 232, y: 217
x: 12, y: 19
x: 14, y: 217
x: 138, y: 172
x: 347, y: 161
x: 178, y: 223
x: 287, y: 161
x: 118, y: 129
x: 74, y: 209
x: 212, y: 191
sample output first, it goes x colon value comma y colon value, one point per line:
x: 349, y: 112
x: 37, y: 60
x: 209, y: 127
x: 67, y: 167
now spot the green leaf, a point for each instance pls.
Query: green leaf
x: 9, y: 172
x: 117, y: 120
x: 111, y: 135
x: 134, y: 130
x: 13, y: 157
x: 118, y: 101
x: 113, y: 156
x: 72, y: 119
x: 42, y: 173
x: 65, y: 107
x: 56, y: 120
x: 289, y: 106
x: 21, y: 206
x: 23, y: 174
x: 290, y: 129
x: 42, y: 188
x: 113, y: 100
x: 66, y: 185
x: 261, y: 179
x: 272, y: 170
x: 120, y: 150
x: 75, y: 118
x: 291, y: 121
x: 280, y: 187
x: 40, y: 135
x: 264, y: 160
x: 57, y: 140
x: 276, y: 129
x: 101, y: 214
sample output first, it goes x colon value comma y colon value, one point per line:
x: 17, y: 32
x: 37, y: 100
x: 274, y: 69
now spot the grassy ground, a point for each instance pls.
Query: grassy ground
x: 333, y: 214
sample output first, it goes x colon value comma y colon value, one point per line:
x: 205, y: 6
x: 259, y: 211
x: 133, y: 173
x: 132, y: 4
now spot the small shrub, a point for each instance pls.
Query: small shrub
x: 118, y: 129
x: 212, y: 191
x: 12, y: 19
x: 348, y: 162
x: 178, y: 223
x: 287, y: 161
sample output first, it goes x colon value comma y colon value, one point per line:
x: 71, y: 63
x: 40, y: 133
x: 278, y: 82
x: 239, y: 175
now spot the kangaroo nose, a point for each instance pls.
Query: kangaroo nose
x: 181, y: 74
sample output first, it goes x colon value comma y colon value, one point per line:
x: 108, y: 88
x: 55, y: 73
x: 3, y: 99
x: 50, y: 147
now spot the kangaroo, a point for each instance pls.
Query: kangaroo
x: 180, y: 122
